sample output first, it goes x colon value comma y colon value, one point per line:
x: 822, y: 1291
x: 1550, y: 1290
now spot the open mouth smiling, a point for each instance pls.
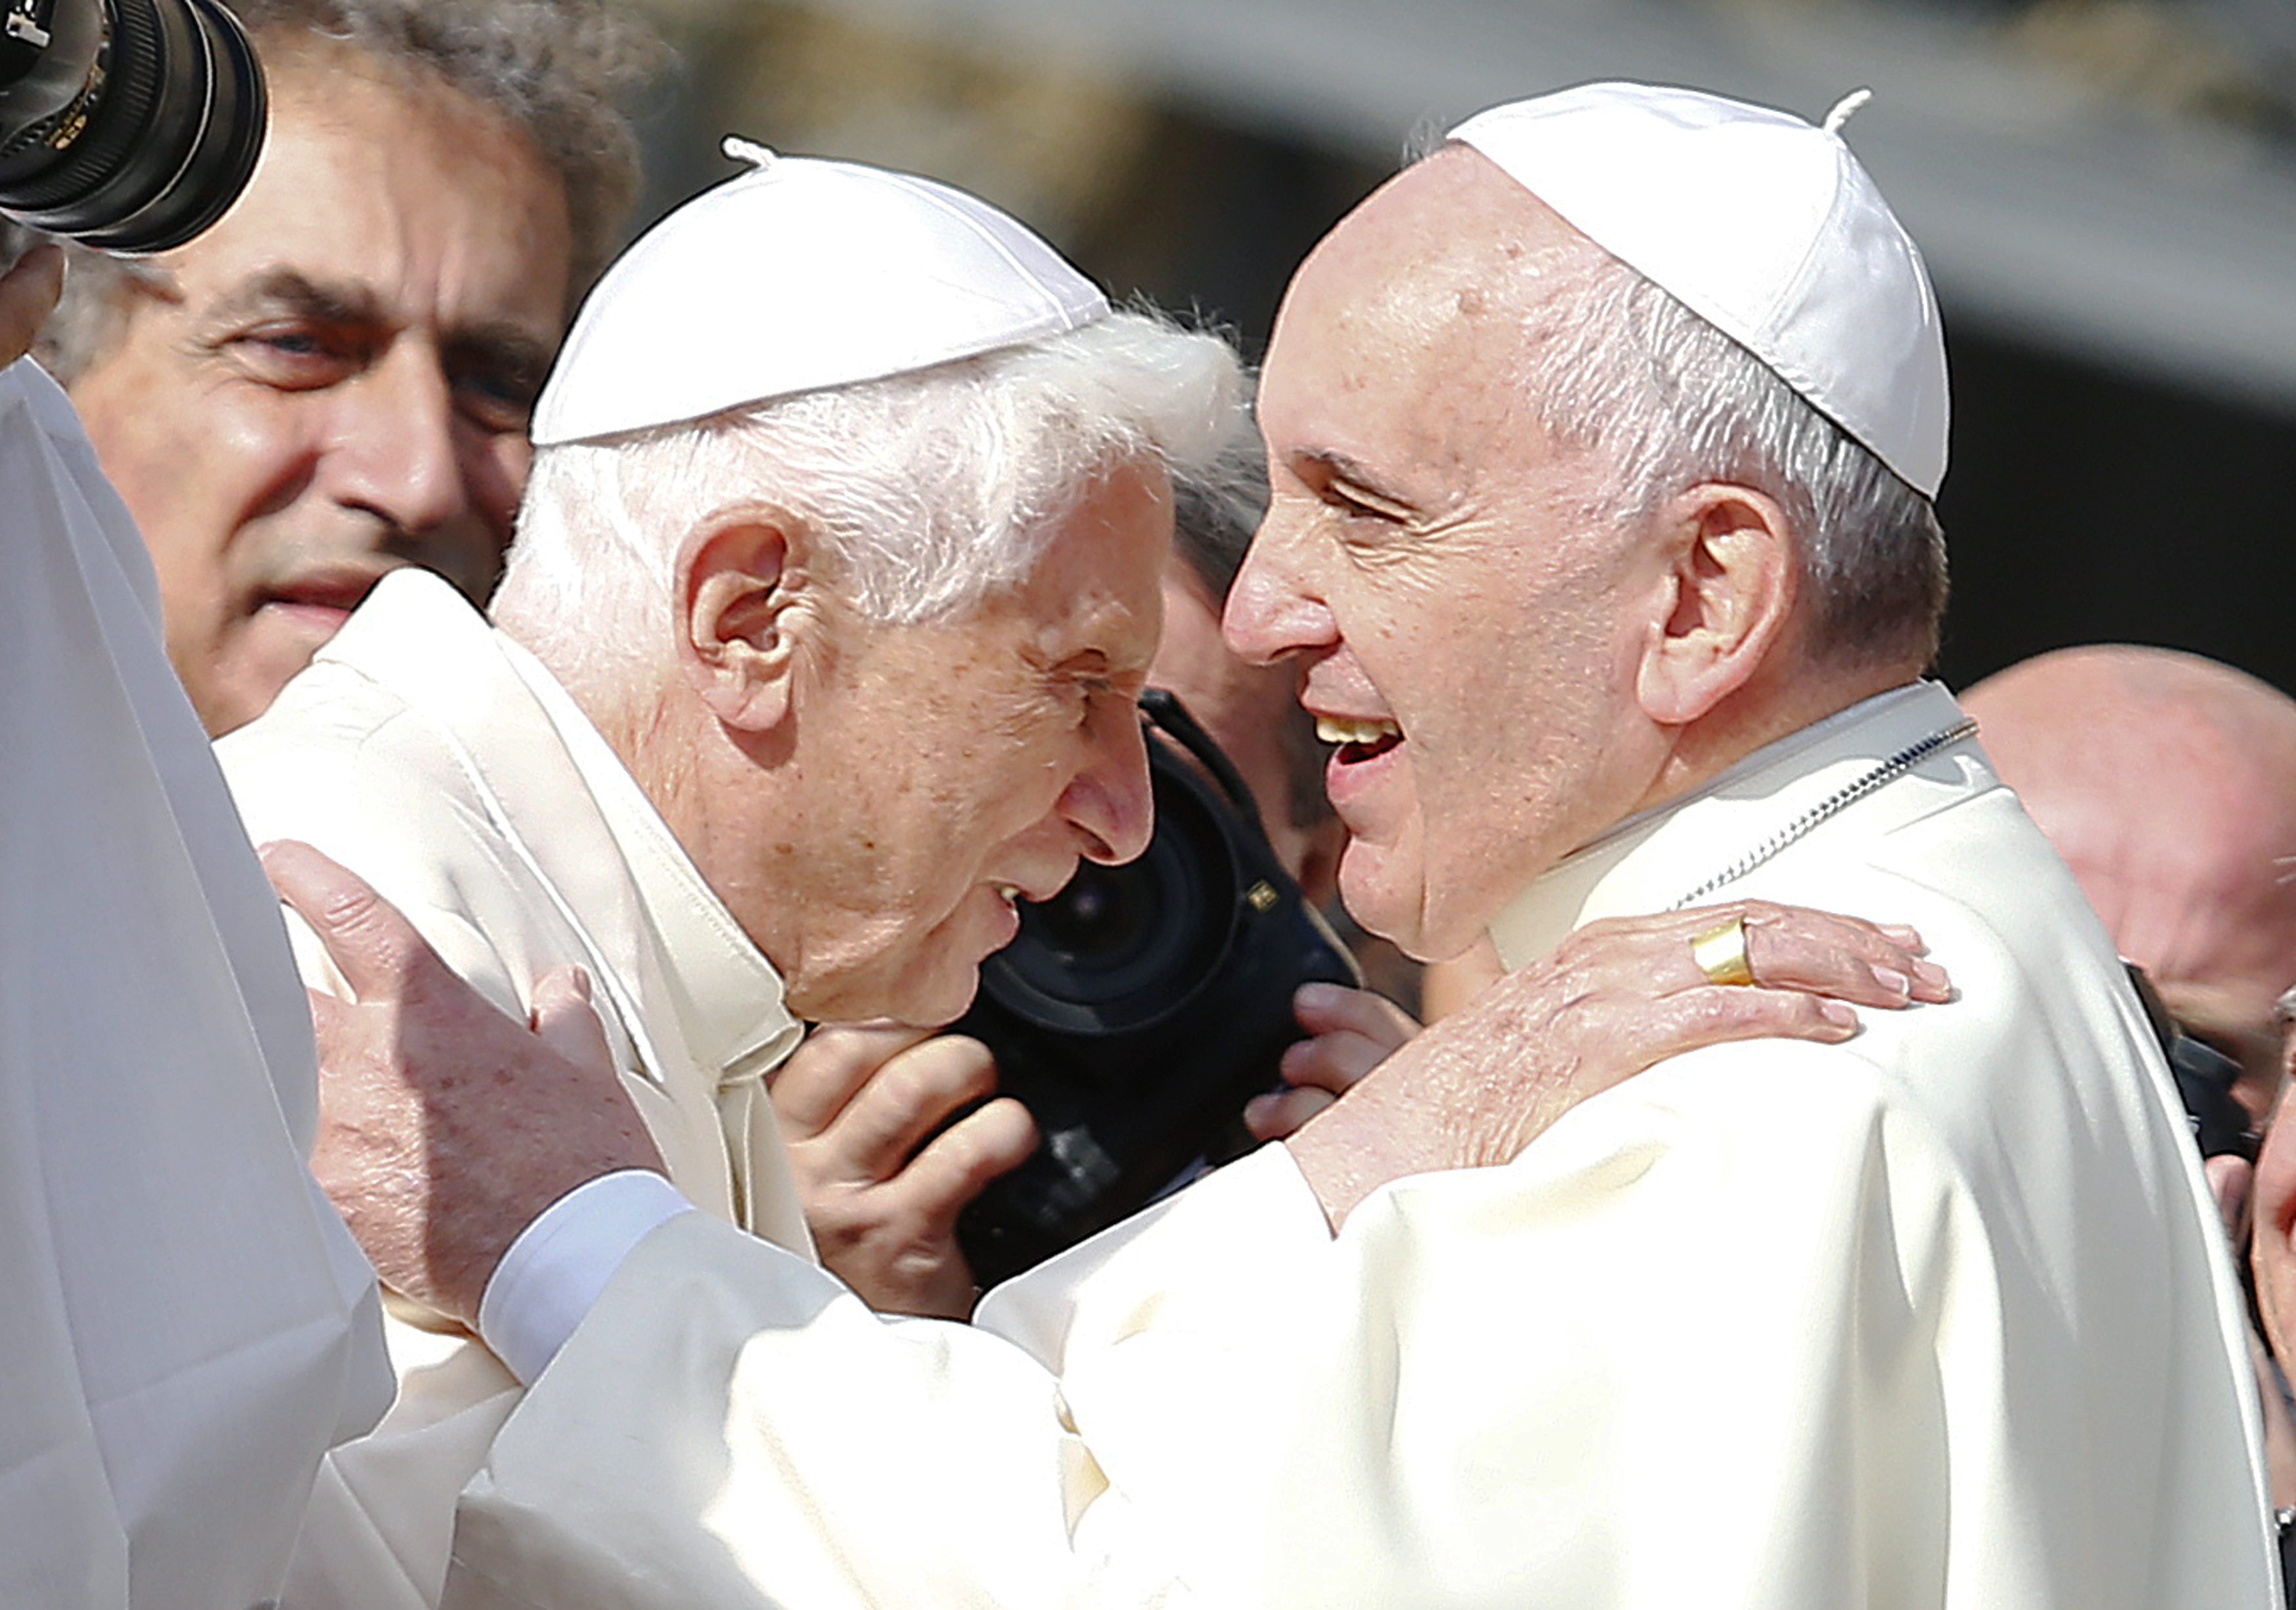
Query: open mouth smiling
x: 1358, y: 739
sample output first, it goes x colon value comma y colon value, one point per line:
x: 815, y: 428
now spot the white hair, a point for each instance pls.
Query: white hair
x: 1622, y: 367
x: 933, y: 489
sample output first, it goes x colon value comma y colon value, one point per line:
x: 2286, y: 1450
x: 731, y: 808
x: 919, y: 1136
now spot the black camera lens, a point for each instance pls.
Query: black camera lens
x: 1102, y: 914
x: 1138, y: 1010
x: 1122, y: 947
x: 130, y: 125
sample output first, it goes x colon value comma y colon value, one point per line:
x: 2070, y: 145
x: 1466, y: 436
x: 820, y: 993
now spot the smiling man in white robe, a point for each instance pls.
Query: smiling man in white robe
x: 812, y: 657
x: 1603, y: 453
x: 1602, y: 444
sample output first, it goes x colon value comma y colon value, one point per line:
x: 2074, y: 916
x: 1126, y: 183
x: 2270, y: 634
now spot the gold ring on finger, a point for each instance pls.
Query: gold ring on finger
x: 1720, y: 953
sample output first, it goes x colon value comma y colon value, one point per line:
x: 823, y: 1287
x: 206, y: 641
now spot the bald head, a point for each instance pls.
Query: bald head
x: 2168, y: 783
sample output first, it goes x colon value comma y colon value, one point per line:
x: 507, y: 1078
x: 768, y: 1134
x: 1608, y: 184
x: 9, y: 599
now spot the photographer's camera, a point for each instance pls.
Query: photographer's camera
x: 126, y: 124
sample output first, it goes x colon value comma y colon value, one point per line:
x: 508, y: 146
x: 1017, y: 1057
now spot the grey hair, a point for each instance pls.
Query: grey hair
x: 1217, y: 508
x: 1621, y: 366
x: 1217, y: 505
x: 555, y: 69
x: 934, y: 489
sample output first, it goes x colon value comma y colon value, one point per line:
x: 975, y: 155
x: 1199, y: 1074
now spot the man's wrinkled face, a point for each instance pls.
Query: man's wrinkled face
x: 1431, y: 552
x: 335, y: 380
x: 952, y: 767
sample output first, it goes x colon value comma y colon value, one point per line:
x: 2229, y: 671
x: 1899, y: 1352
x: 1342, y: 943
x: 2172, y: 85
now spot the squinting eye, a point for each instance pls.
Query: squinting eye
x: 293, y: 357
x: 496, y: 403
x: 1356, y: 506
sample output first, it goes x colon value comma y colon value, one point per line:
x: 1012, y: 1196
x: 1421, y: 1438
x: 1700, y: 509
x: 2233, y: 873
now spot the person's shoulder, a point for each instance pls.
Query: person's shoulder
x: 2039, y: 1076
x: 343, y: 762
x: 336, y: 741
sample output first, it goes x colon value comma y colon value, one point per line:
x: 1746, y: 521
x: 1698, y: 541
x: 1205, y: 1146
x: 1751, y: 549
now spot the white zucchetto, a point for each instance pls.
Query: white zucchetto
x: 1762, y: 224
x: 800, y: 275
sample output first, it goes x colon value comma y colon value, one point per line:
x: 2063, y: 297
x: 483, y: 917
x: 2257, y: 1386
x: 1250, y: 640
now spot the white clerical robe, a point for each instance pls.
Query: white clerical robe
x: 185, y: 1324
x: 1939, y: 1317
x: 439, y: 761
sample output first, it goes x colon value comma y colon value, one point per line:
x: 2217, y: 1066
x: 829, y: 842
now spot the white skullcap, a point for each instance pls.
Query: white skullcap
x: 1760, y: 224
x: 800, y: 275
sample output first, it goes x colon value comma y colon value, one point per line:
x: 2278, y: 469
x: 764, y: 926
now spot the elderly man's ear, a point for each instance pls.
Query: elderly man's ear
x: 1722, y: 605
x: 751, y: 611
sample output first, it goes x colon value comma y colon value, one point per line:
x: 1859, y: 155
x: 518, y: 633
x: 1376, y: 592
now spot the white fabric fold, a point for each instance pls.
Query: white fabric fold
x: 187, y: 1325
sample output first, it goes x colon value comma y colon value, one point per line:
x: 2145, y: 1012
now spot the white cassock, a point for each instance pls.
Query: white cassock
x: 1940, y: 1317
x: 440, y: 762
x: 185, y: 1324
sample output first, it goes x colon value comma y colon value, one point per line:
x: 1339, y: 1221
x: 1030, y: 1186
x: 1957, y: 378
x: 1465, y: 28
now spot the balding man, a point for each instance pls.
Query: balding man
x: 2167, y: 782
x: 1602, y: 446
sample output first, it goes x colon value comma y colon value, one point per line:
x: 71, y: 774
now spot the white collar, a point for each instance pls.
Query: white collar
x: 1649, y: 862
x: 728, y: 995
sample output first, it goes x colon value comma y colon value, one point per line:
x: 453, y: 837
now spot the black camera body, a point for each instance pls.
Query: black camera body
x: 1140, y: 1007
x: 2205, y: 1077
x: 130, y: 125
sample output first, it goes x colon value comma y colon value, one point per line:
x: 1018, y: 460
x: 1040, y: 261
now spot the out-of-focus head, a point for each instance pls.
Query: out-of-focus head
x: 866, y: 616
x: 1602, y: 445
x: 1252, y: 711
x: 2168, y: 783
x: 335, y: 380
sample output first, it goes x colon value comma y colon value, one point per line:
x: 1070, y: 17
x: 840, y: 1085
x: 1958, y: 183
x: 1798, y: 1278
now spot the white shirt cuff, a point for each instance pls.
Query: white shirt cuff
x: 557, y: 1270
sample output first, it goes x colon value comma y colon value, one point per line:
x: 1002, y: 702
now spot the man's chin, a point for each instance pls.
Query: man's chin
x: 269, y: 652
x: 1382, y: 897
x: 242, y: 692
x: 937, y: 1003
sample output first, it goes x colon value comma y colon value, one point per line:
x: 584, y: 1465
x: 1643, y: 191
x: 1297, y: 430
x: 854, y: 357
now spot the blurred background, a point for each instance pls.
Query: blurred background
x: 2106, y: 190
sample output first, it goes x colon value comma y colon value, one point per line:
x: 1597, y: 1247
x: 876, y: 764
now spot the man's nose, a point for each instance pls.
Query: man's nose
x: 1268, y: 614
x: 1109, y: 802
x: 396, y: 454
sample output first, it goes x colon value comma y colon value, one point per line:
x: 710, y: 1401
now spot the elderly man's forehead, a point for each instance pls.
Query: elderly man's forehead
x: 1448, y: 236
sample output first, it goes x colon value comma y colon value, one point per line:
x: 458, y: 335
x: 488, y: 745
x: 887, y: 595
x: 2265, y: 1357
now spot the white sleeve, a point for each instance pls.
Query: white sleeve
x: 560, y: 1265
x: 799, y: 1448
x: 1742, y: 1334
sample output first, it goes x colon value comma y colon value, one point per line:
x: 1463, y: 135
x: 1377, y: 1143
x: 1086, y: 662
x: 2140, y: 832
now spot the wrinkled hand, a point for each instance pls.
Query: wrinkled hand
x: 28, y: 295
x: 445, y: 1127
x: 854, y: 1105
x: 1616, y: 996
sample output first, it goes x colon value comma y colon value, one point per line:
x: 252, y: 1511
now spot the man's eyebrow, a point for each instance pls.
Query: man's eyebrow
x: 290, y: 290
x: 500, y: 348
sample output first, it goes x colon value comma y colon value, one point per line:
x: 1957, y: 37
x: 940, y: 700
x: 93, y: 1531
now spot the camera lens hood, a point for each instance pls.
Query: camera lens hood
x: 1122, y: 949
x: 163, y: 139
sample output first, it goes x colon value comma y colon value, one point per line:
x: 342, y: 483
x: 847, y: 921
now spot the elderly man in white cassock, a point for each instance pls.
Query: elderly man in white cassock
x: 1603, y: 442
x: 837, y: 579
x: 185, y: 1325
